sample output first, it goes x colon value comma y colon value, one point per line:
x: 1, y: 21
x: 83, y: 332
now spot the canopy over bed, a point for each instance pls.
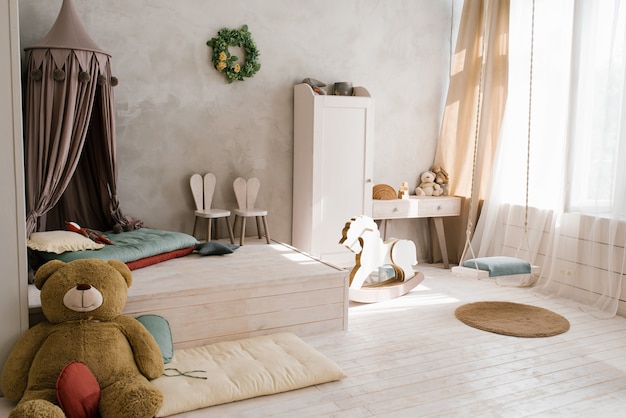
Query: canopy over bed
x: 69, y: 128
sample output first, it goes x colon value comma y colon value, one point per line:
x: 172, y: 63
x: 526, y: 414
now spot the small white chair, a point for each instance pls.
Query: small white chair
x: 246, y: 193
x: 203, y: 189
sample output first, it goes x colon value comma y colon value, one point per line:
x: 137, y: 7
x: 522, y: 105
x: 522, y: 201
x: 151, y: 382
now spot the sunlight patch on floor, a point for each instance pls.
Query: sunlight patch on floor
x: 418, y: 297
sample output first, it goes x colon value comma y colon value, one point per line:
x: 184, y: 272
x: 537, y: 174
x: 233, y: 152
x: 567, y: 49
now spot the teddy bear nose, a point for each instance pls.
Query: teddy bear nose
x: 83, y: 298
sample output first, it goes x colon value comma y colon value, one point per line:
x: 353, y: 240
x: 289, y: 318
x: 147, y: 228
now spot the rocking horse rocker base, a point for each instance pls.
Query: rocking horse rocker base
x: 381, y: 291
x: 361, y: 236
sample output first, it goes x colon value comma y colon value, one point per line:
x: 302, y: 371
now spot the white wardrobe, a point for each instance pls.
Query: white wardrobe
x: 332, y: 173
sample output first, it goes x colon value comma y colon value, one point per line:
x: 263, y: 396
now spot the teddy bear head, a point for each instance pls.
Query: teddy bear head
x: 428, y: 177
x: 441, y: 175
x: 83, y: 289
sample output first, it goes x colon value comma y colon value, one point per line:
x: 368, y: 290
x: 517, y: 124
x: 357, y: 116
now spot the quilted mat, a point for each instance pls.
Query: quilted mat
x: 235, y: 370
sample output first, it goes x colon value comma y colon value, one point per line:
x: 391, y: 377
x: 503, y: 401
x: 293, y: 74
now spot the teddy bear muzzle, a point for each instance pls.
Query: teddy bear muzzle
x: 83, y: 298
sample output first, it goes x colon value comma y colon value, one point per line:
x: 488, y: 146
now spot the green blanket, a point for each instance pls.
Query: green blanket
x: 130, y: 246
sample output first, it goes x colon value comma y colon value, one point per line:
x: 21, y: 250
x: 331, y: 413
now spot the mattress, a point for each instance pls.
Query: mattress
x: 138, y: 248
x: 231, y: 371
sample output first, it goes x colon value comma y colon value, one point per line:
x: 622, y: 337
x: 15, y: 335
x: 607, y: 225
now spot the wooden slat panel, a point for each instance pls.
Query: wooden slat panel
x: 259, y: 289
x: 223, y: 329
x: 198, y: 313
x: 262, y: 289
x: 583, y: 249
x: 303, y: 330
x: 232, y: 292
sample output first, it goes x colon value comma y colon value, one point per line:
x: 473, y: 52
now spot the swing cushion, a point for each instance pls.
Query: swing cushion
x: 499, y: 266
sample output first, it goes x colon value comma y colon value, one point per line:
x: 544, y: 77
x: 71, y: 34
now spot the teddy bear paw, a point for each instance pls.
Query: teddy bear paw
x: 141, y: 400
x: 36, y: 408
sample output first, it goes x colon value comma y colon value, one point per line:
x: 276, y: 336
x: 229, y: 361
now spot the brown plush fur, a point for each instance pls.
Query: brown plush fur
x: 119, y: 351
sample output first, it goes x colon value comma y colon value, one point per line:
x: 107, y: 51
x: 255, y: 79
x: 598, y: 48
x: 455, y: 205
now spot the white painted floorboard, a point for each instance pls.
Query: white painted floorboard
x: 410, y: 357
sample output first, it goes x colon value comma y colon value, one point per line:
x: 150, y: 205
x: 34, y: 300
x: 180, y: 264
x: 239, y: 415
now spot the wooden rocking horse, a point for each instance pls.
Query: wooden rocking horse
x: 361, y: 236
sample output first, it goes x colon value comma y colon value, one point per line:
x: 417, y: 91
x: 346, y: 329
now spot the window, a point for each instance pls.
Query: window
x: 577, y: 112
x: 598, y: 66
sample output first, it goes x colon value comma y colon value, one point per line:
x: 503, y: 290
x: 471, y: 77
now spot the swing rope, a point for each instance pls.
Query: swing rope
x: 530, y: 102
x: 469, y: 229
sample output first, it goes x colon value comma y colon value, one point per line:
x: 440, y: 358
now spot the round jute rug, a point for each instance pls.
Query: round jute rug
x: 513, y: 319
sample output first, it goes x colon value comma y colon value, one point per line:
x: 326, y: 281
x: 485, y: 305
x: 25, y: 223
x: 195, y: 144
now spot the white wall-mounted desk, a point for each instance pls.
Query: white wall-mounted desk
x: 434, y: 207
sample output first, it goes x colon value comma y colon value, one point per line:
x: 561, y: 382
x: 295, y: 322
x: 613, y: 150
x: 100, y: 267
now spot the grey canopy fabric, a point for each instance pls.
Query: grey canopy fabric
x: 69, y: 129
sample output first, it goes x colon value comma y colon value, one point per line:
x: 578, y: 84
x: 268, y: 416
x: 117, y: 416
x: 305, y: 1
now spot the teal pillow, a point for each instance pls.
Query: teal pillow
x: 216, y: 248
x: 500, y: 265
x: 160, y: 330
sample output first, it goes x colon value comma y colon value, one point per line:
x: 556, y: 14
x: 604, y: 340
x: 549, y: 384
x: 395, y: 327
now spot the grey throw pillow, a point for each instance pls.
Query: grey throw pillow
x: 216, y: 248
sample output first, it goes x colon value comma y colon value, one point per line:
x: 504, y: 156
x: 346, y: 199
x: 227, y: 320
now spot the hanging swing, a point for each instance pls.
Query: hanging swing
x: 499, y: 266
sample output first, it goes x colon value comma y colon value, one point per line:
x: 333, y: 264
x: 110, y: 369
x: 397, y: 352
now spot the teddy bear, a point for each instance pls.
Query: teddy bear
x: 428, y: 187
x: 82, y: 303
x: 441, y: 177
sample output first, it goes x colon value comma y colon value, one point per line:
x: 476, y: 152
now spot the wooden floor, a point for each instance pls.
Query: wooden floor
x: 410, y: 357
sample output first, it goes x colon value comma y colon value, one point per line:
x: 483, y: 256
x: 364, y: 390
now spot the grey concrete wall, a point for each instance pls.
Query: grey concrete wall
x: 177, y: 115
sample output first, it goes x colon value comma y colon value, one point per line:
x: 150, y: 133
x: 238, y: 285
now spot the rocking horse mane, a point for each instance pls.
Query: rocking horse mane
x: 354, y: 228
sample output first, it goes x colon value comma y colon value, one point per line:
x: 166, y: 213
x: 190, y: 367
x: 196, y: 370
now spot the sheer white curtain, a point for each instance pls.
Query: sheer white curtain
x: 575, y: 183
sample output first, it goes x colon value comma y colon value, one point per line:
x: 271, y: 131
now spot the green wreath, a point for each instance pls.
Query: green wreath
x: 228, y: 64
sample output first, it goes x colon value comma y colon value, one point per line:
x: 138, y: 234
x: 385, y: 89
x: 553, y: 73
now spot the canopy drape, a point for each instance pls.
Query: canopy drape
x: 69, y: 128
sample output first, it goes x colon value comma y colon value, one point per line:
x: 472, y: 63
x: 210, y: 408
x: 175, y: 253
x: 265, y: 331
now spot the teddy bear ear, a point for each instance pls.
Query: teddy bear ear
x: 45, y: 271
x: 124, y: 271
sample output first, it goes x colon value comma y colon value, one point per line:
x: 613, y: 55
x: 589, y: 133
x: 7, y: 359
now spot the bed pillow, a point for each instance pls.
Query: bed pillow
x: 216, y: 248
x: 78, y: 391
x: 60, y: 241
x: 159, y: 328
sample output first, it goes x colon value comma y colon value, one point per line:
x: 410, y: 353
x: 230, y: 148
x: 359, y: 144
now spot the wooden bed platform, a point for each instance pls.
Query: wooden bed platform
x: 259, y: 289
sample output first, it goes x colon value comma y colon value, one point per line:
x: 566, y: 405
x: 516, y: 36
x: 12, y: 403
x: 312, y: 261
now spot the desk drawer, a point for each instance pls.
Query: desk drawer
x: 395, y: 208
x: 416, y: 207
x: 439, y: 206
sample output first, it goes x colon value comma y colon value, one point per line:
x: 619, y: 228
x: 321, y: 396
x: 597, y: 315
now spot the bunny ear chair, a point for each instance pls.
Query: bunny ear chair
x: 246, y: 192
x: 203, y: 188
